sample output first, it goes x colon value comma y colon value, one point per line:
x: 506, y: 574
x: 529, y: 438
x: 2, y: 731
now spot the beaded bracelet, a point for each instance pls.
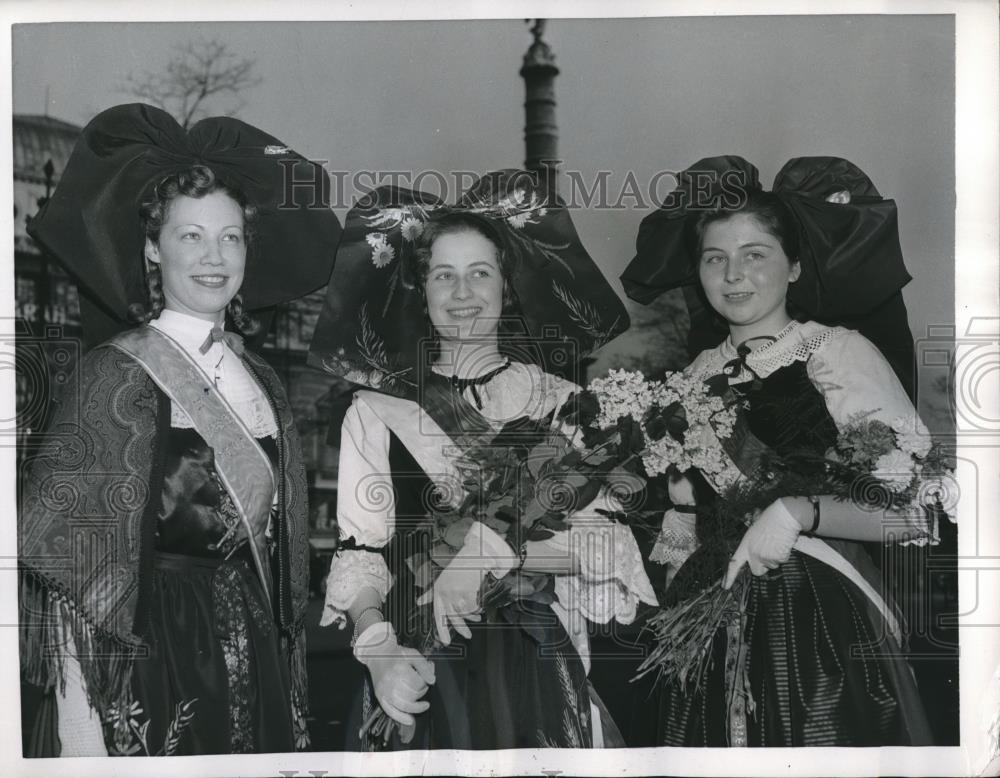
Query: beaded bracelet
x: 357, y: 621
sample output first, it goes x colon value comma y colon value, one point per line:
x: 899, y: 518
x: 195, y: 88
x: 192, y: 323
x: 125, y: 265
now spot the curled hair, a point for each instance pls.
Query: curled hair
x: 155, y: 300
x: 196, y: 181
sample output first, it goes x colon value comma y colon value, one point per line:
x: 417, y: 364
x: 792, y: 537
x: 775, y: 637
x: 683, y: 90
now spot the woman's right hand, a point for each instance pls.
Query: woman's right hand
x: 767, y: 543
x: 400, y: 676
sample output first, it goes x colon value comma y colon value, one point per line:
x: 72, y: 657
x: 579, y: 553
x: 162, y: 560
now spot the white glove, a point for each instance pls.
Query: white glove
x: 456, y: 591
x: 767, y: 543
x: 400, y: 675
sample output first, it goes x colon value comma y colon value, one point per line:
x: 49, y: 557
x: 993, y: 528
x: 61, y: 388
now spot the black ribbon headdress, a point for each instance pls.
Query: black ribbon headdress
x: 851, y: 260
x: 91, y: 223
x: 864, y: 269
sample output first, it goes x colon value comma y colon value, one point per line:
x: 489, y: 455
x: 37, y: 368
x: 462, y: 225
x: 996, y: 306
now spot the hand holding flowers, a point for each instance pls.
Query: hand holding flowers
x: 455, y: 593
x: 767, y: 543
x: 687, y: 423
x: 400, y: 676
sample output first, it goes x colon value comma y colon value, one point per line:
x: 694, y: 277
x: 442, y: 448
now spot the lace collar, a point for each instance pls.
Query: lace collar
x: 729, y: 351
x: 795, y: 343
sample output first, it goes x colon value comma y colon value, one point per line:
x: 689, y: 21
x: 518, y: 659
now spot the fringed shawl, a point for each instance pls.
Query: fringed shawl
x: 87, y: 524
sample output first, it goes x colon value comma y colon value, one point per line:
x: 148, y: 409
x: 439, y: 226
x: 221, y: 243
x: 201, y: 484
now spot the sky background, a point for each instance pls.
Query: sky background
x: 635, y: 96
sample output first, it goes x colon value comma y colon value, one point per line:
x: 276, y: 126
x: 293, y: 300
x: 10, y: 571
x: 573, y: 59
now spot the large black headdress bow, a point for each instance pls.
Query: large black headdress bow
x: 373, y: 329
x: 850, y: 254
x: 91, y: 223
x: 664, y: 254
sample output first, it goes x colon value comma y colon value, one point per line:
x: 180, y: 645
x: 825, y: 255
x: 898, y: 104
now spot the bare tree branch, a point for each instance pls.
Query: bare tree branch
x: 200, y: 73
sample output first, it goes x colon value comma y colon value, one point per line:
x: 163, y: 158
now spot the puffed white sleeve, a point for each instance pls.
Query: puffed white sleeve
x: 365, y: 512
x: 857, y: 381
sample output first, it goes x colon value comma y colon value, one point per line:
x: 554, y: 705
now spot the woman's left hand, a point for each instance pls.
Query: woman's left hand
x: 766, y: 544
x: 456, y: 591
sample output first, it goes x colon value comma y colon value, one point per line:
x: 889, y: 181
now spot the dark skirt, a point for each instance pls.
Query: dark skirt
x: 820, y: 668
x: 505, y: 688
x: 214, y: 681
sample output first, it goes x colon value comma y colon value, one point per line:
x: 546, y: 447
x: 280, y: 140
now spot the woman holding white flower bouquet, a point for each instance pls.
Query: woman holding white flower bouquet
x: 825, y: 452
x: 468, y: 613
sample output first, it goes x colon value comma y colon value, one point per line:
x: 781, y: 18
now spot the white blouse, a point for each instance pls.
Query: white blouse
x: 843, y: 364
x: 223, y: 368
x: 609, y: 580
x: 848, y: 370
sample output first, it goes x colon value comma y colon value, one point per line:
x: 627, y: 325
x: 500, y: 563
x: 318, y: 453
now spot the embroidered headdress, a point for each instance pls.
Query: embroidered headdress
x: 373, y: 329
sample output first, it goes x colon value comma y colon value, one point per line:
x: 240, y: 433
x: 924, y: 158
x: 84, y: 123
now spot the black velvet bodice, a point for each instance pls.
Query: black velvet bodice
x: 197, y: 516
x: 788, y: 412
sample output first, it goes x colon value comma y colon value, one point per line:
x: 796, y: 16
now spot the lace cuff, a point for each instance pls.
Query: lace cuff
x: 918, y: 527
x: 677, y: 539
x: 349, y: 572
x: 611, y: 580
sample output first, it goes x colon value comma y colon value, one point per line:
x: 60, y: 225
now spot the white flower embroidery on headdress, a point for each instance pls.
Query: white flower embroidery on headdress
x: 409, y: 220
x: 382, y: 255
x: 517, y: 209
x: 411, y: 228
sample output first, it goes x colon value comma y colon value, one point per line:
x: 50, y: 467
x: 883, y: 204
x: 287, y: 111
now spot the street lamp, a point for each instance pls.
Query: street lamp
x: 42, y: 289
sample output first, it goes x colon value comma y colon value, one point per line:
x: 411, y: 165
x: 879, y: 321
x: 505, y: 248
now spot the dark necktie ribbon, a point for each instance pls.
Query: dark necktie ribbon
x: 734, y: 367
x: 461, y: 384
x: 231, y: 339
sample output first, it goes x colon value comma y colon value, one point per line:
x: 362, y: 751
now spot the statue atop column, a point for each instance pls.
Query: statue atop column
x: 541, y: 135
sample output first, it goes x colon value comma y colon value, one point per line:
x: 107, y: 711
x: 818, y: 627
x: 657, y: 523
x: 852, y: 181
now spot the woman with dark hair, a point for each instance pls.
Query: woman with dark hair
x: 447, y: 321
x: 814, y: 657
x: 163, y: 540
x: 864, y: 296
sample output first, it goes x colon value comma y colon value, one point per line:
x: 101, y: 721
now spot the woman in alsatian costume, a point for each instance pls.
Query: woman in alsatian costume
x: 163, y: 532
x: 812, y: 656
x: 459, y: 318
